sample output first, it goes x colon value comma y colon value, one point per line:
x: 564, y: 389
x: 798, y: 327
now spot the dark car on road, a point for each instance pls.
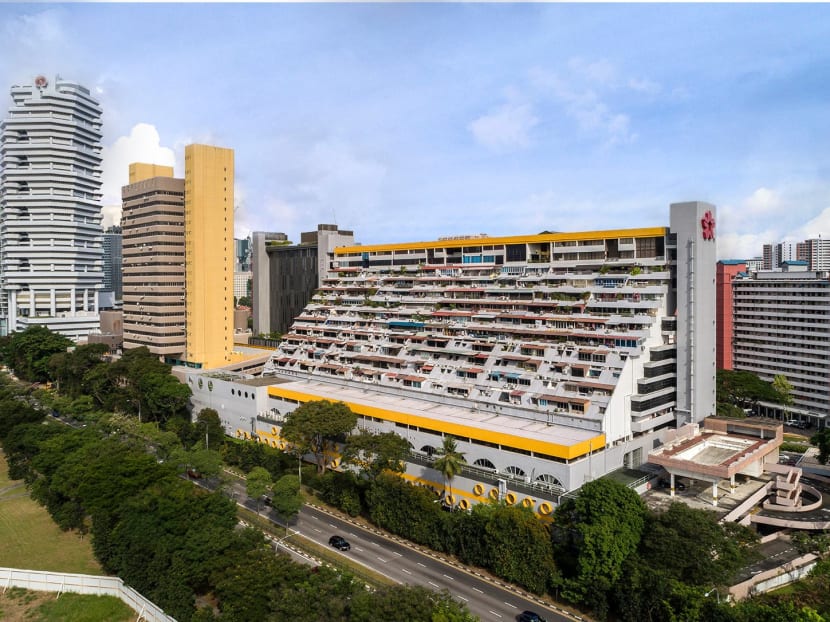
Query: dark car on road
x: 529, y: 616
x: 339, y: 542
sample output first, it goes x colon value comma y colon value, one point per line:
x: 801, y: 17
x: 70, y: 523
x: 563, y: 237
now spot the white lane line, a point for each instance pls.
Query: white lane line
x: 462, y: 598
x: 510, y: 605
x: 316, y: 517
x: 332, y: 525
x: 449, y: 577
x: 357, y: 548
x: 434, y: 584
x: 478, y: 590
x: 421, y: 565
x: 317, y: 530
x: 383, y: 561
x: 398, y: 554
x: 406, y: 571
x: 494, y: 613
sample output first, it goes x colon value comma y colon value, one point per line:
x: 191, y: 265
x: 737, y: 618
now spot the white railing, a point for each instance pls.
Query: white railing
x: 42, y: 581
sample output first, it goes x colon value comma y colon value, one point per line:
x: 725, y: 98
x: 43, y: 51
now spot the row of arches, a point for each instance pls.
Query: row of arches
x: 515, y: 471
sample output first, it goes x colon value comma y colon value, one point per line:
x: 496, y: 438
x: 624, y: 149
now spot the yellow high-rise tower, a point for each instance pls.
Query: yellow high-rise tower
x: 208, y: 235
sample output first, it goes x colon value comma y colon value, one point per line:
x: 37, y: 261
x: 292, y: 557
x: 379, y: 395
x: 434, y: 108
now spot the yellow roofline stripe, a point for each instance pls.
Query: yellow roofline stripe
x: 641, y: 232
x: 565, y: 452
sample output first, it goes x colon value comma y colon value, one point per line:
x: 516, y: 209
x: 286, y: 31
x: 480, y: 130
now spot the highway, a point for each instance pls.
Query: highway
x: 407, y: 564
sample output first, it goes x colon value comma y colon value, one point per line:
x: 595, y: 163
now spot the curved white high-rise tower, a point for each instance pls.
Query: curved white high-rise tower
x: 50, y: 208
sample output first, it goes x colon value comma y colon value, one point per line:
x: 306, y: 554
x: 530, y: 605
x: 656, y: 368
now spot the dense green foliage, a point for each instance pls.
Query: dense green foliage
x: 316, y: 428
x: 28, y: 353
x: 174, y: 542
x: 737, y: 390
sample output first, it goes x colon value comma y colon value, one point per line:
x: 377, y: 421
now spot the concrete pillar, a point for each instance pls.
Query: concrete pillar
x: 72, y: 301
x: 52, y: 308
x: 732, y: 483
x: 715, y: 494
x: 31, y: 302
x: 671, y: 484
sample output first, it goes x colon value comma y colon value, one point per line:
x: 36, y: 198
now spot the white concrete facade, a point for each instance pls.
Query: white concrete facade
x: 51, y: 255
x: 551, y: 358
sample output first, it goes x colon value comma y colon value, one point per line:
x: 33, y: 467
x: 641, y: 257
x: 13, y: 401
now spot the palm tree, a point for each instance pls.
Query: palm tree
x: 449, y: 461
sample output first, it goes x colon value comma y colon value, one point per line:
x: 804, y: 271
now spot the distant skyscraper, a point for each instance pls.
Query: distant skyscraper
x: 50, y: 209
x: 112, y: 261
x: 289, y: 275
x: 242, y: 254
x: 209, y: 247
x: 782, y: 326
x: 726, y: 271
x: 153, y: 233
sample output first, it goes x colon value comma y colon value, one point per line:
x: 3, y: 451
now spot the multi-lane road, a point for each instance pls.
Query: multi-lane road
x: 407, y: 564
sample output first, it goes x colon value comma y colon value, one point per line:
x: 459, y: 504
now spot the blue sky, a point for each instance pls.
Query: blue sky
x: 413, y: 121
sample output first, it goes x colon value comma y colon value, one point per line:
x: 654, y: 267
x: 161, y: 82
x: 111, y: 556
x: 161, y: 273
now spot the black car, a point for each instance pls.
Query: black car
x: 529, y: 616
x: 339, y: 542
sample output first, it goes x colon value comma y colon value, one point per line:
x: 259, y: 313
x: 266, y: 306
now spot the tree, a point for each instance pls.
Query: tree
x: 287, y: 499
x: 316, y: 427
x: 784, y: 389
x: 257, y: 484
x: 822, y: 441
x: 593, y: 535
x: 691, y: 546
x: 737, y: 390
x: 449, y: 461
x: 374, y: 453
x: 68, y: 369
x: 28, y: 352
x: 209, y: 424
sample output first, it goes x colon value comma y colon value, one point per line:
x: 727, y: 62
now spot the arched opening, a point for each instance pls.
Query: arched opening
x: 550, y: 480
x: 514, y: 470
x: 484, y: 462
x: 428, y: 450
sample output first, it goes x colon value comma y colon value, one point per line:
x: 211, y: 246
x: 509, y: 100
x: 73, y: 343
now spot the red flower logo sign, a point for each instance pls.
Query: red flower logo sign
x: 707, y: 224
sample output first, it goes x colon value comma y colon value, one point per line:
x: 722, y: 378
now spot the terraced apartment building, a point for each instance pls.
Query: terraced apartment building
x: 552, y: 358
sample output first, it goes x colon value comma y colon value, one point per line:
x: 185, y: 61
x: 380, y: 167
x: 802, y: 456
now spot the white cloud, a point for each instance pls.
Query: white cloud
x: 579, y: 93
x: 644, y: 85
x: 327, y: 183
x: 142, y: 145
x: 601, y: 72
x: 507, y: 127
x: 818, y: 226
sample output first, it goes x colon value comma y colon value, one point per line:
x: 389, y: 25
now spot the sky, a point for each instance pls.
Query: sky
x: 408, y: 122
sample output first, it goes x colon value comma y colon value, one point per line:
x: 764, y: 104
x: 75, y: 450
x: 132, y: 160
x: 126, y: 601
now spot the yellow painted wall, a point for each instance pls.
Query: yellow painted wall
x: 208, y: 235
x: 513, y: 239
x: 139, y: 171
x: 566, y: 452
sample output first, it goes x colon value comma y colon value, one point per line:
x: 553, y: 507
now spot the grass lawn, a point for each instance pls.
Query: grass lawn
x: 31, y: 539
x: 19, y: 604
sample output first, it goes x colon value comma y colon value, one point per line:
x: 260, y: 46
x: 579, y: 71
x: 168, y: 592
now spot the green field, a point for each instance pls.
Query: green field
x: 31, y: 539
x: 18, y: 604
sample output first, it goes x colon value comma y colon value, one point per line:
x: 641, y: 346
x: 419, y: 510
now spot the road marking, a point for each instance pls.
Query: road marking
x: 357, y: 548
x: 316, y: 517
x: 494, y: 613
x: 421, y: 565
x: 332, y: 525
x: 317, y: 530
x: 466, y: 600
x: 478, y: 590
x: 510, y: 605
x: 381, y: 559
x: 398, y: 554
x: 449, y: 577
x: 434, y: 584
x: 406, y: 571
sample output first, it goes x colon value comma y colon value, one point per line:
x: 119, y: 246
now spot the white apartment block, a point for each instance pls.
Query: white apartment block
x: 50, y: 209
x: 552, y: 358
x: 781, y: 325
